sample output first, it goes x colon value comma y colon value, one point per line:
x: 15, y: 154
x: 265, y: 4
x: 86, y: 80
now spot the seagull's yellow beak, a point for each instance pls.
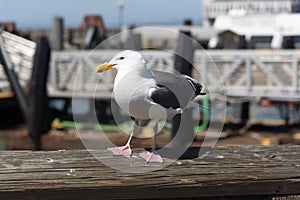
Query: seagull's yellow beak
x: 103, y: 67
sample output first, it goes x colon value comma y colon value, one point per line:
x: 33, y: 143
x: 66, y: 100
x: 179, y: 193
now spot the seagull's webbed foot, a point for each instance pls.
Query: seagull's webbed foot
x: 126, y: 149
x: 121, y: 151
x: 151, y: 157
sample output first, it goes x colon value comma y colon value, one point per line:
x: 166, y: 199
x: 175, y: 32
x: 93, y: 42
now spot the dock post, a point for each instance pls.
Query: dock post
x: 58, y: 34
x: 39, y: 113
x: 241, y: 112
x: 245, y: 112
x: 183, y: 125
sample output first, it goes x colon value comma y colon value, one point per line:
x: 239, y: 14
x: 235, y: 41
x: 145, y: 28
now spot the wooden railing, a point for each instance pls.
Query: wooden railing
x: 251, y: 172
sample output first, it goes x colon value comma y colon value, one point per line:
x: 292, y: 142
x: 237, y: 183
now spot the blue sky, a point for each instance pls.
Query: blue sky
x: 39, y: 13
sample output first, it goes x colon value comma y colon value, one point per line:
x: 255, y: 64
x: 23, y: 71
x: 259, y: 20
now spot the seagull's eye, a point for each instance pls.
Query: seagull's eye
x: 122, y: 58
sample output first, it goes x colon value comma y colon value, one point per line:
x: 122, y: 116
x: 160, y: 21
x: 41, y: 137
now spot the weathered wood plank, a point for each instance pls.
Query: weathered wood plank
x: 254, y: 171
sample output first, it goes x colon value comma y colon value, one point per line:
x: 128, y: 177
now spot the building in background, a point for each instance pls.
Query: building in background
x: 214, y: 8
x: 253, y: 23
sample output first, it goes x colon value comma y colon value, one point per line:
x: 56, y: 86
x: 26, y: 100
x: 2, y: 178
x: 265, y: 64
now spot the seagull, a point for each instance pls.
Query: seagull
x: 148, y: 96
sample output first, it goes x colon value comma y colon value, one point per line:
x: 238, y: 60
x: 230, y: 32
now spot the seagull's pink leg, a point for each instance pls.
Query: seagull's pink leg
x: 152, y: 156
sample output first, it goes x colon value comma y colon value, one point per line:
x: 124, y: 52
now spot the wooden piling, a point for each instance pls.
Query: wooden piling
x: 39, y: 112
x: 183, y: 125
x: 57, y: 34
x: 133, y: 41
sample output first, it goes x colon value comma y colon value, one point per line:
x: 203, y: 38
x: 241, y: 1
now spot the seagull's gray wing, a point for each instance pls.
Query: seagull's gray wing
x: 174, y: 91
x: 164, y: 97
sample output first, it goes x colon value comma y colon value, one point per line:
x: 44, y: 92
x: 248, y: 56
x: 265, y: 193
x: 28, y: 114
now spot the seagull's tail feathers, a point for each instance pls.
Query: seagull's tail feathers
x: 192, y: 104
x: 197, y: 87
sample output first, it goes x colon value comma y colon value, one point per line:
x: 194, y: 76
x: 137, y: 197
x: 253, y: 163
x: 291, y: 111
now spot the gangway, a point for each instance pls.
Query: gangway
x: 250, y: 74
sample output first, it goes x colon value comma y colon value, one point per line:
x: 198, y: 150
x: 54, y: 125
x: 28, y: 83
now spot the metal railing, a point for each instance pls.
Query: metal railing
x: 74, y: 72
x: 240, y: 73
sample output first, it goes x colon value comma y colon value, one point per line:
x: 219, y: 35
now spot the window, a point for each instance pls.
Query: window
x: 260, y: 42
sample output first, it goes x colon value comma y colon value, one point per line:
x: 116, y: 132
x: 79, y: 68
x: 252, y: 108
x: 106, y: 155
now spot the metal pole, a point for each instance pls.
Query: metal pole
x: 248, y: 74
x: 121, y: 8
x: 295, y: 74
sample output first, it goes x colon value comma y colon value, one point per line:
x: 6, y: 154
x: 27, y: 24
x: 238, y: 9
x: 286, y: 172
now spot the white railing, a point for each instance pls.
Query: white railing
x: 240, y: 73
x: 74, y: 72
x: 273, y: 74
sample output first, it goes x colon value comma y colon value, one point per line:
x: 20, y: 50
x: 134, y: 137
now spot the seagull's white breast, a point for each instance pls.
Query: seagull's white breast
x: 131, y: 91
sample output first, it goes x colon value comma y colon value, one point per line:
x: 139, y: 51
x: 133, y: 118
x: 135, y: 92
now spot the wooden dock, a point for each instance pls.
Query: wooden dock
x: 252, y: 172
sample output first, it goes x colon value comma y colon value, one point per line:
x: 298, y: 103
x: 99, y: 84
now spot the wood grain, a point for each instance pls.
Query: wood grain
x: 255, y: 172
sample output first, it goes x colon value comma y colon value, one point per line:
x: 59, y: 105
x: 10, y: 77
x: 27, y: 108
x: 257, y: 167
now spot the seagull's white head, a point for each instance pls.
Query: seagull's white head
x: 124, y: 60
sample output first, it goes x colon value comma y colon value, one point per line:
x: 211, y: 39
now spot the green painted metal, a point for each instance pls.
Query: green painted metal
x: 205, y: 118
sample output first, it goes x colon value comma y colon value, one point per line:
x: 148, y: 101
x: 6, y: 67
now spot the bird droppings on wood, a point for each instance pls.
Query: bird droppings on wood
x: 49, y: 160
x: 219, y: 156
x: 71, y: 172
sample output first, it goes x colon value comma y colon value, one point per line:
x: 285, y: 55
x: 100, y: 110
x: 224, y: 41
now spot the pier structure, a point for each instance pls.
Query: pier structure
x: 232, y: 76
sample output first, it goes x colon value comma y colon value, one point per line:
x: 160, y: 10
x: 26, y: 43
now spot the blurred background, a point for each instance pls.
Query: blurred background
x: 44, y: 44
